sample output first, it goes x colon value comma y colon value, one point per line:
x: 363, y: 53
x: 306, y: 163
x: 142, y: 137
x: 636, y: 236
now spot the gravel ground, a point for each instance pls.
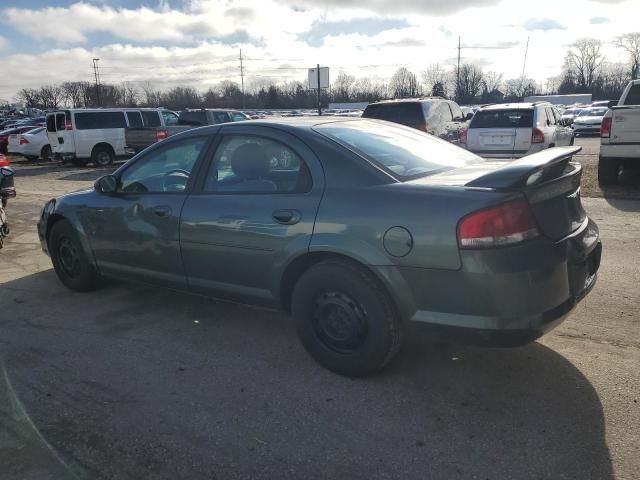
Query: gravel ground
x: 133, y: 382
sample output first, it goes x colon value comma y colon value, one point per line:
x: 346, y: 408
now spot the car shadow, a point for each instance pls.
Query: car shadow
x: 137, y: 382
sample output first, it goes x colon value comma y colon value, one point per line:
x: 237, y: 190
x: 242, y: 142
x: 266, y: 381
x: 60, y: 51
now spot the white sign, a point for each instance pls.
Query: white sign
x: 313, y: 78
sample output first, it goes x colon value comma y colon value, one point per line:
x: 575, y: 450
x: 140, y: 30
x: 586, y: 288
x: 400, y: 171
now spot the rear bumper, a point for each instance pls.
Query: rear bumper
x: 508, y: 153
x: 629, y: 151
x: 510, y: 295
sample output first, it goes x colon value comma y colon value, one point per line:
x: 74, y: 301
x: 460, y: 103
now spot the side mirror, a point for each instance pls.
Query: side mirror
x: 107, y: 184
x: 469, y: 116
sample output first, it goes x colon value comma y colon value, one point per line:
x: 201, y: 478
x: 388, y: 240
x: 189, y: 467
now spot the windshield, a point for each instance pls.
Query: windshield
x: 593, y: 112
x: 406, y: 153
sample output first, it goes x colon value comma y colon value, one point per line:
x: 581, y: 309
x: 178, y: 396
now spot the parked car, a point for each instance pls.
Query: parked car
x: 620, y: 136
x: 96, y: 135
x: 514, y: 130
x: 139, y: 137
x: 569, y: 114
x: 437, y: 116
x: 4, y: 135
x: 355, y: 226
x: 588, y: 121
x: 32, y: 144
x: 604, y: 103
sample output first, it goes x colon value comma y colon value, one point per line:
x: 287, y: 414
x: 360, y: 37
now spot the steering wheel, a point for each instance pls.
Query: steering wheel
x: 175, y: 187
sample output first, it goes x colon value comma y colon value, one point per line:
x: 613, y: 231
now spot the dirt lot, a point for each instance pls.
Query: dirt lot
x: 134, y: 382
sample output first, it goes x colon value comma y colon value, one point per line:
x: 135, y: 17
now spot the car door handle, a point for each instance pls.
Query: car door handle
x: 287, y: 217
x: 162, y: 211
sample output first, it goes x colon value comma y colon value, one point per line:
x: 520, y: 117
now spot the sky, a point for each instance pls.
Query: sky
x: 166, y: 43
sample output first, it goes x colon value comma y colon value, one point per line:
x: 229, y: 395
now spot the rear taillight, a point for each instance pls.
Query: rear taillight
x: 68, y: 125
x: 161, y: 135
x: 23, y: 141
x: 537, y: 136
x: 506, y: 224
x: 605, y: 128
x: 463, y: 136
x: 4, y: 161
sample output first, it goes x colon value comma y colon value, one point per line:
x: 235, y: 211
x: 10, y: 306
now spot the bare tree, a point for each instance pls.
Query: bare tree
x: 404, y: 83
x: 152, y: 97
x: 491, y: 81
x: 584, y: 60
x: 342, y: 86
x: 130, y: 94
x: 470, y: 82
x: 50, y: 96
x: 72, y: 93
x: 630, y: 42
x: 30, y: 96
x: 435, y: 79
x: 520, y: 87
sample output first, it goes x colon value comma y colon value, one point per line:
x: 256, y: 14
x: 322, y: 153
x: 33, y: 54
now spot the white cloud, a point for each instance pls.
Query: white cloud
x: 198, y: 44
x: 4, y: 43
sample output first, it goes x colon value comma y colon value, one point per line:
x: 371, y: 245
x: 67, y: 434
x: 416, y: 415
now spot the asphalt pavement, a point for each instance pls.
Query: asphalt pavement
x: 133, y: 382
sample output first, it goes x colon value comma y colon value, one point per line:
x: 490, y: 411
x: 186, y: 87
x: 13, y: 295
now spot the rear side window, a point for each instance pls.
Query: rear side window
x: 60, y: 121
x: 404, y: 113
x: 98, y: 120
x: 633, y: 97
x: 134, y: 118
x: 151, y: 118
x: 193, y: 118
x: 519, y: 118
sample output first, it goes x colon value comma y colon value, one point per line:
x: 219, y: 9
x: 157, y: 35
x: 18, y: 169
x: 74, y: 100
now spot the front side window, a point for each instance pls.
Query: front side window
x: 166, y: 169
x: 250, y: 164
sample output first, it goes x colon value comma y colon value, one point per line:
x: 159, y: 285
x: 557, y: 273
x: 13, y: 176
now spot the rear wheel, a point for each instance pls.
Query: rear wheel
x: 45, y: 153
x: 608, y: 170
x: 345, y: 318
x: 102, y: 156
x: 70, y: 261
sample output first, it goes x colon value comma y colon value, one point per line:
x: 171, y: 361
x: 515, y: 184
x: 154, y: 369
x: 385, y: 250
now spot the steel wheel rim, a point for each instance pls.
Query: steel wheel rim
x: 339, y: 323
x: 103, y: 158
x: 69, y: 257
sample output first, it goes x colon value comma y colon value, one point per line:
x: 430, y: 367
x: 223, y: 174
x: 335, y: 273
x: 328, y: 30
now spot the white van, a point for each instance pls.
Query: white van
x: 96, y: 135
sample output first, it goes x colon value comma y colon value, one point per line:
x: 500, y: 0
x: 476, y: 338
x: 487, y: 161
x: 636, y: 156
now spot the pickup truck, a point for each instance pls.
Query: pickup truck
x: 139, y: 138
x: 620, y: 136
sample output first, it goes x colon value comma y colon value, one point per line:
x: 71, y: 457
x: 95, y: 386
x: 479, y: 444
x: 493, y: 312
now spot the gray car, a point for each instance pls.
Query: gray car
x: 354, y: 226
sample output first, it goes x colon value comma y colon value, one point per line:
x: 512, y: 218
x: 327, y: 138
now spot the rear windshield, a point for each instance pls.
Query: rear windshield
x: 51, y: 123
x: 99, y: 120
x: 193, y: 118
x: 633, y: 97
x: 404, y: 113
x: 517, y: 118
x: 593, y: 112
x: 403, y: 152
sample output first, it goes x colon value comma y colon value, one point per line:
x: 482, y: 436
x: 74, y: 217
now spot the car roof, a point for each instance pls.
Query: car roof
x: 513, y: 106
x: 410, y: 100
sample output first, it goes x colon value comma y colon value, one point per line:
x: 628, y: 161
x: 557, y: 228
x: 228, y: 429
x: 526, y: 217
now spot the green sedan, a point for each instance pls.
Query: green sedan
x: 354, y: 226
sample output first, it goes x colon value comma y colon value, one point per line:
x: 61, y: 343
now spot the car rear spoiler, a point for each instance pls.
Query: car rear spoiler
x: 527, y: 170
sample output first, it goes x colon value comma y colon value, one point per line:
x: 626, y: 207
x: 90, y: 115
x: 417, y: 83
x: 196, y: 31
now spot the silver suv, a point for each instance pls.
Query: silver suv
x: 513, y: 130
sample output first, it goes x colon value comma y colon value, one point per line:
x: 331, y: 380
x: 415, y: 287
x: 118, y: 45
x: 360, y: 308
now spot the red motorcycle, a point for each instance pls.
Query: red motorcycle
x: 7, y: 190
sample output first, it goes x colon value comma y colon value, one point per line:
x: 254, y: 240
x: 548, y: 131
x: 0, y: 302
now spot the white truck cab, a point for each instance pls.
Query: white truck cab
x: 620, y: 136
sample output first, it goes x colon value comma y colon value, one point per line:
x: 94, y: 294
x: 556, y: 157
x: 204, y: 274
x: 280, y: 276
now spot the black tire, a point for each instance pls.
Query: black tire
x: 102, y: 156
x: 608, y: 170
x: 70, y: 261
x: 31, y: 158
x: 345, y: 318
x: 45, y: 153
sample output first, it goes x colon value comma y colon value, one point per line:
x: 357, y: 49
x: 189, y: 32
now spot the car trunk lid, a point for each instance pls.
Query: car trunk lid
x: 548, y: 179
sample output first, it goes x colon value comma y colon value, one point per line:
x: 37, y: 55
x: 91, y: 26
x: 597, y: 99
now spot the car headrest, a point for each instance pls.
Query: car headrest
x: 250, y: 161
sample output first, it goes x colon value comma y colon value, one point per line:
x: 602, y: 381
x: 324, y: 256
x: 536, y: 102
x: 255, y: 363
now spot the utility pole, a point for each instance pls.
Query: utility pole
x: 524, y: 64
x: 458, y: 71
x: 242, y: 77
x: 95, y: 74
x: 319, y: 98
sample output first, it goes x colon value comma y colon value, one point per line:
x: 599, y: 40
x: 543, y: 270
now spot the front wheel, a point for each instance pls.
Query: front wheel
x: 608, y: 170
x: 345, y: 318
x: 70, y: 261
